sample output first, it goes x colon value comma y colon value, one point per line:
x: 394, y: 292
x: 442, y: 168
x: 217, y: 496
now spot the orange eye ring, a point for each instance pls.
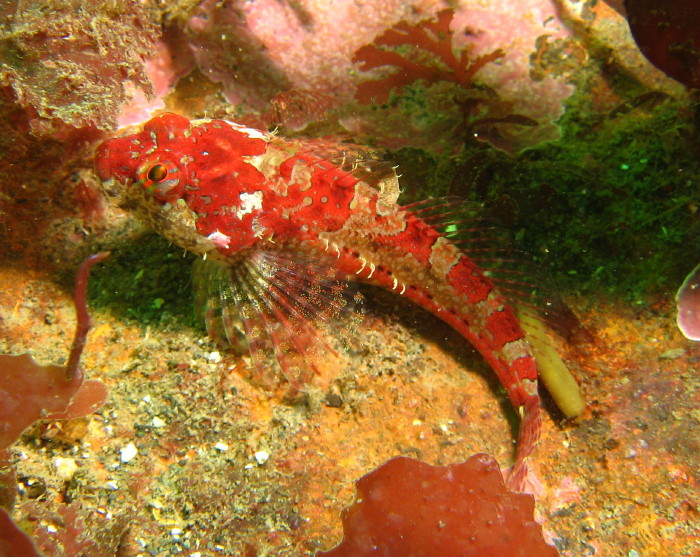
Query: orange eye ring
x: 157, y: 173
x: 161, y: 177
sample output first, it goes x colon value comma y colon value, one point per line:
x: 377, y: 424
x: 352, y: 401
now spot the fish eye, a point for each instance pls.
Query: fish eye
x: 157, y: 173
x: 161, y: 177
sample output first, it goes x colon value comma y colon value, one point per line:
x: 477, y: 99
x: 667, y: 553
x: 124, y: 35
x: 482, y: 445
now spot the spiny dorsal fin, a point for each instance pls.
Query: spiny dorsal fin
x: 361, y: 162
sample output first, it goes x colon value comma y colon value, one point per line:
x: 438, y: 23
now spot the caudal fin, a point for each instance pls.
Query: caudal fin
x: 528, y: 436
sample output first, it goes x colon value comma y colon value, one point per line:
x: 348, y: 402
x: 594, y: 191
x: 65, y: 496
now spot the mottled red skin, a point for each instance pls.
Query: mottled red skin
x: 245, y: 190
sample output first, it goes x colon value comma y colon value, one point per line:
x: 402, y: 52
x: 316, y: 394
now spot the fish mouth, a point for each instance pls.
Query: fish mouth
x: 120, y: 192
x: 112, y: 187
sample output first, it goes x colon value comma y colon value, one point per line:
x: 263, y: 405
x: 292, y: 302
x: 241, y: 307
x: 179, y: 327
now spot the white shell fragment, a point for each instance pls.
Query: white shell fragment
x: 65, y: 467
x: 157, y: 422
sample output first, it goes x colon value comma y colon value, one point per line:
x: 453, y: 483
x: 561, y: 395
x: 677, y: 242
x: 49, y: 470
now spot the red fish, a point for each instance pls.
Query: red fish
x: 282, y: 223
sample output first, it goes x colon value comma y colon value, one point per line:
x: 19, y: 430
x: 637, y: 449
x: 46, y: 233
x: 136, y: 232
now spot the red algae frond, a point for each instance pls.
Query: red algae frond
x: 428, y: 38
x: 30, y: 391
x: 13, y: 541
x: 83, y: 317
x: 408, y: 507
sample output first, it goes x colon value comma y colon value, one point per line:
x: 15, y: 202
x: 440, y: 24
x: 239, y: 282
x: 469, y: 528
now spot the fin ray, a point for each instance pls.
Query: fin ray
x: 279, y: 308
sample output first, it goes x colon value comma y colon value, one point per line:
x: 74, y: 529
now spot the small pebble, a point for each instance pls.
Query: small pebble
x: 261, y: 457
x: 128, y: 453
x: 334, y: 400
x: 65, y: 467
x: 34, y: 487
x: 672, y: 354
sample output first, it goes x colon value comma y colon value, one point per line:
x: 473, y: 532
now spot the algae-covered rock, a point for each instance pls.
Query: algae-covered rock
x: 74, y: 63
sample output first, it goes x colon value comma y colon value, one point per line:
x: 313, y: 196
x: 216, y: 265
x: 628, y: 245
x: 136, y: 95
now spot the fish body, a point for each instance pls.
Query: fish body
x: 250, y: 200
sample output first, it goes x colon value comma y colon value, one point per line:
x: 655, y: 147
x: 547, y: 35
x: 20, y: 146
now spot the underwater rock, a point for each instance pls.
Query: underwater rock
x: 258, y: 49
x: 487, y: 51
x: 170, y: 61
x: 668, y: 34
x: 534, y: 76
x: 407, y: 507
x: 71, y: 64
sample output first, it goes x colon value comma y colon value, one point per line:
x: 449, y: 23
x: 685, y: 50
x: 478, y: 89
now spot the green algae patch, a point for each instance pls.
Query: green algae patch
x: 611, y: 207
x: 148, y: 284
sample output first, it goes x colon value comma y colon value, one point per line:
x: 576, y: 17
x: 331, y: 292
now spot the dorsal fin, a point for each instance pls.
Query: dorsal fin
x: 278, y: 307
x: 362, y: 162
x: 469, y: 227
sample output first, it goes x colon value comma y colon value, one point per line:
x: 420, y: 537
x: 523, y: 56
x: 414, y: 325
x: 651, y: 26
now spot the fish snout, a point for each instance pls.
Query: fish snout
x: 103, y: 160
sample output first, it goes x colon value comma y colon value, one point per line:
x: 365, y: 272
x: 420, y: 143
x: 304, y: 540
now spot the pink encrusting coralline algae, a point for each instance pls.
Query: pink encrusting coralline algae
x: 258, y: 49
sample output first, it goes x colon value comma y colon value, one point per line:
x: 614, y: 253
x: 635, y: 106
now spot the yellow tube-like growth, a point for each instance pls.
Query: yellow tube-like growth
x: 553, y: 371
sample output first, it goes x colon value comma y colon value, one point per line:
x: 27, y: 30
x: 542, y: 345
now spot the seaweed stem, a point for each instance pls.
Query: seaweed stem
x: 83, y: 317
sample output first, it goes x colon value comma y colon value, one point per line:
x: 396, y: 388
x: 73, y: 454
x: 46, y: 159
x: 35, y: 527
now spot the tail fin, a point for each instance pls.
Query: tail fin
x: 528, y: 436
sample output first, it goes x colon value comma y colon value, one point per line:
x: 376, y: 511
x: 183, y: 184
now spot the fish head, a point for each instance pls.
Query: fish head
x: 147, y: 160
x: 192, y: 180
